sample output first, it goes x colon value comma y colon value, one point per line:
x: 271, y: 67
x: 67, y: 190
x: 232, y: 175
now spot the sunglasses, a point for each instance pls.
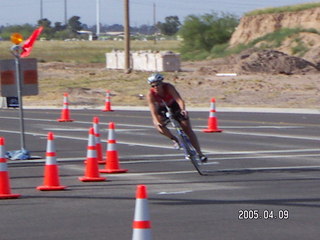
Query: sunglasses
x: 156, y: 84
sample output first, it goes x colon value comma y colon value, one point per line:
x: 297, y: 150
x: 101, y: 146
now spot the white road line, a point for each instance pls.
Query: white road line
x: 86, y: 139
x: 260, y: 157
x: 199, y: 129
x: 206, y: 150
x: 260, y: 127
x: 316, y: 168
x: 175, y: 193
x: 78, y: 168
x: 138, y: 159
x: 271, y: 151
x: 274, y: 135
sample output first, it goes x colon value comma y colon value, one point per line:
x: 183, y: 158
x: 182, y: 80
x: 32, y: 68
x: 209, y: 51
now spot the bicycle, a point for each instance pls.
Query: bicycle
x: 190, y: 152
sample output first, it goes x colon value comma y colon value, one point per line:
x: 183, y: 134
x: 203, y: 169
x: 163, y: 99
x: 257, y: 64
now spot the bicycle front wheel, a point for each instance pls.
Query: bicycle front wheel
x: 190, y: 153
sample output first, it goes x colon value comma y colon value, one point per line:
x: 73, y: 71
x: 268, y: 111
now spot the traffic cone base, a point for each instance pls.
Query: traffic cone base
x: 5, y: 192
x: 51, y: 188
x: 65, y: 112
x: 141, y: 223
x: 99, y: 154
x: 112, y: 165
x: 96, y: 129
x: 112, y: 159
x: 113, y: 170
x: 65, y: 120
x: 5, y: 187
x: 92, y: 179
x: 91, y: 172
x: 107, y: 107
x: 92, y: 168
x: 211, y: 130
x: 9, y: 196
x: 212, y: 126
x: 212, y: 120
x: 51, y: 180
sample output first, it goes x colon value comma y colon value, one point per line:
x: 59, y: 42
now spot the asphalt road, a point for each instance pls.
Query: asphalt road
x: 263, y: 178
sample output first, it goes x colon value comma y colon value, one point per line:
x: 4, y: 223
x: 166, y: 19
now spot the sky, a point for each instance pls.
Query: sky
x: 112, y: 11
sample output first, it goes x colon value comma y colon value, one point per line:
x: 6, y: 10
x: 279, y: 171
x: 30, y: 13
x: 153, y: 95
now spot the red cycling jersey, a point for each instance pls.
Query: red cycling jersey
x: 167, y: 98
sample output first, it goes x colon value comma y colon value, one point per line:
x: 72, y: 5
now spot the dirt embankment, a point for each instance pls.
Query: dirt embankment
x: 253, y: 27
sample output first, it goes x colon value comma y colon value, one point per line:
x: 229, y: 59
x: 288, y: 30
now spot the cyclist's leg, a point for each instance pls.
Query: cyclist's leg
x: 166, y: 132
x: 186, y: 126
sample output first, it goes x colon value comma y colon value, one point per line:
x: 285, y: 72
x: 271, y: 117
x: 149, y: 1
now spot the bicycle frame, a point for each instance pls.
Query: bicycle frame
x: 189, y: 151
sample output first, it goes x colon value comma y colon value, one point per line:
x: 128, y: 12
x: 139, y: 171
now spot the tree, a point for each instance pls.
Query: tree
x: 74, y: 24
x: 58, y: 26
x: 170, y: 26
x: 47, y: 29
x: 206, y: 31
x: 25, y: 30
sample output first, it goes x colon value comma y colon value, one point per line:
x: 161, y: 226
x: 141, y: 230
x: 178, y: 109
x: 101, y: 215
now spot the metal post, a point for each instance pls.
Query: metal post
x: 16, y: 52
x: 154, y: 23
x: 65, y: 13
x: 98, y: 18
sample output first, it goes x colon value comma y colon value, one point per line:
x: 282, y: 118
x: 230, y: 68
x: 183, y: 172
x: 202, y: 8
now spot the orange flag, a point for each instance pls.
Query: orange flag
x: 27, y: 46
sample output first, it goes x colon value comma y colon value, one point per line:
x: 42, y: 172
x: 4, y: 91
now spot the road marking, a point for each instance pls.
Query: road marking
x: 260, y: 127
x: 274, y: 135
x: 79, y: 168
x: 290, y: 168
x: 70, y: 129
x: 67, y: 129
x: 271, y: 151
x: 86, y: 139
x: 174, y: 193
x: 199, y: 129
x: 261, y: 157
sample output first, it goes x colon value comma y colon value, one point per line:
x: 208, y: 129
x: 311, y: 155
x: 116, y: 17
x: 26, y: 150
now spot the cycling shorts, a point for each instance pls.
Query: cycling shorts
x: 176, y: 112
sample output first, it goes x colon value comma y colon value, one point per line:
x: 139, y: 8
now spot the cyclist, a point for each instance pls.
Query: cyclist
x: 165, y: 92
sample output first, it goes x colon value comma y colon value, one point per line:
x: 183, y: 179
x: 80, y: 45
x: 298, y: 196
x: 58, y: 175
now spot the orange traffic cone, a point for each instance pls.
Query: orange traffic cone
x: 141, y: 222
x: 107, y: 107
x: 212, y: 120
x: 65, y: 113
x: 51, y: 172
x: 112, y: 159
x: 92, y: 169
x: 5, y: 192
x: 98, y: 142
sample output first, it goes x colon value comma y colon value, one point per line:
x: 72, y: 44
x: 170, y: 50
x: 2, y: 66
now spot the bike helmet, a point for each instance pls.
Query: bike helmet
x: 155, y: 77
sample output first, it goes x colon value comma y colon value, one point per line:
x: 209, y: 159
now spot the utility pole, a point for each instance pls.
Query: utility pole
x: 98, y: 18
x: 41, y: 9
x: 154, y: 23
x: 127, y: 37
x: 65, y: 13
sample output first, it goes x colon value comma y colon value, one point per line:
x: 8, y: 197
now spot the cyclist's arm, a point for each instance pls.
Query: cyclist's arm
x: 174, y: 93
x: 153, y: 109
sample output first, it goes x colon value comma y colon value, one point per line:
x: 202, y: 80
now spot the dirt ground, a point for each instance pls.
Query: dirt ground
x: 251, y: 79
x: 263, y: 79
